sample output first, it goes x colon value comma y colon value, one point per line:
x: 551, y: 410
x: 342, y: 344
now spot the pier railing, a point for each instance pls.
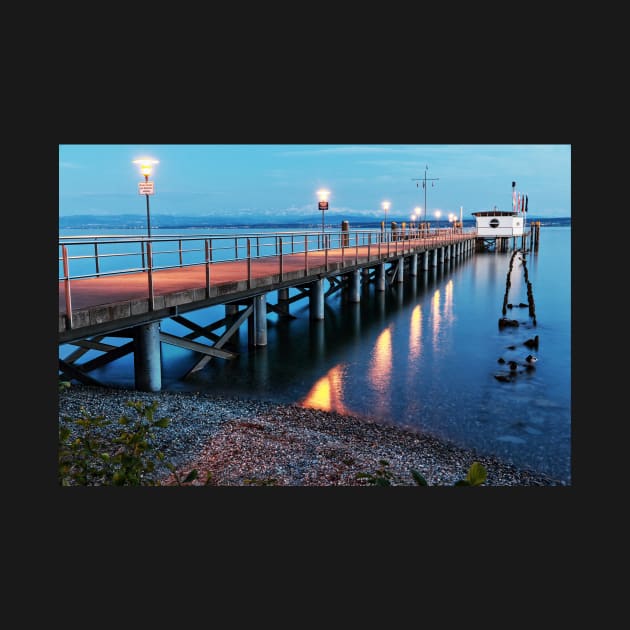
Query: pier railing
x: 99, y: 256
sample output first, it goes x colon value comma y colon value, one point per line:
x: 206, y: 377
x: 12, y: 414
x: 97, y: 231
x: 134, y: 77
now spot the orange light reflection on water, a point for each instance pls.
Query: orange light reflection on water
x: 327, y: 393
x: 380, y: 371
x: 436, y: 316
x: 415, y: 334
x: 448, y: 302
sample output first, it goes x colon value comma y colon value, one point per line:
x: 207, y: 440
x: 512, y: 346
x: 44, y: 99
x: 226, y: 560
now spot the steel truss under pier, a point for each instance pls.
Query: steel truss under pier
x: 385, y: 263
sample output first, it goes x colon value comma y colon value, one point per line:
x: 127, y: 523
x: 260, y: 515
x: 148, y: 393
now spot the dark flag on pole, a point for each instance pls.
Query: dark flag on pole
x: 526, y: 201
x: 513, y: 184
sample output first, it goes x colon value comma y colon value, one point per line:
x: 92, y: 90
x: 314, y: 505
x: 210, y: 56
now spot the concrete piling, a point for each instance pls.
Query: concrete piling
x: 147, y: 358
x: 316, y: 300
x: 354, y: 293
x: 380, y: 277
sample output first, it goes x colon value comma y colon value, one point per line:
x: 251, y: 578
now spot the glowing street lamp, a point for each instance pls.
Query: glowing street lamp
x: 386, y: 206
x: 323, y: 203
x: 438, y: 214
x: 146, y: 188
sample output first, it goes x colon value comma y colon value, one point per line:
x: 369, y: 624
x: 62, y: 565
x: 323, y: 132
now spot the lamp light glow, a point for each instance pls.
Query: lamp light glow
x: 146, y: 165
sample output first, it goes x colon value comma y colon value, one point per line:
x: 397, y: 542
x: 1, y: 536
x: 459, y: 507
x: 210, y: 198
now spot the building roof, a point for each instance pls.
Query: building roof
x: 495, y: 213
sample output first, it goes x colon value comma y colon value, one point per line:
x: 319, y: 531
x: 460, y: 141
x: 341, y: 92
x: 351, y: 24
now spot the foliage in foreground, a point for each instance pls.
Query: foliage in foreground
x: 89, y: 459
x: 476, y: 476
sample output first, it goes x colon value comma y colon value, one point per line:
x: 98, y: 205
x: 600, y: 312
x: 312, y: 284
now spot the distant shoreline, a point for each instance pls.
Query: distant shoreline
x: 168, y: 222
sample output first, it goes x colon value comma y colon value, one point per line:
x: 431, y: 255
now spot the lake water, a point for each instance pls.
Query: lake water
x: 423, y: 354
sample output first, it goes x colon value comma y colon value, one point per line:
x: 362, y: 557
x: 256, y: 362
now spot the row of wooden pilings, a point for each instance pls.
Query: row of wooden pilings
x: 147, y: 351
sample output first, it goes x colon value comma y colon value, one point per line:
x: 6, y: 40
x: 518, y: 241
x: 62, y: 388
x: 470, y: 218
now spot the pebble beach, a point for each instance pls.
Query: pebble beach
x: 242, y: 442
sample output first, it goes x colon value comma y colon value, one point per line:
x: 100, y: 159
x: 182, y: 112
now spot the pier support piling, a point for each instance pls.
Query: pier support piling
x: 283, y: 301
x: 413, y: 265
x: 354, y: 293
x: 380, y: 277
x: 260, y: 320
x: 425, y: 260
x: 147, y: 358
x: 316, y: 300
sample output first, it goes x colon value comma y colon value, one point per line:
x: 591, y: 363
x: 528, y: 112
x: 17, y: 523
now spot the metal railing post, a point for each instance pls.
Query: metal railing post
x: 306, y: 254
x: 249, y: 264
x: 208, y: 259
x: 181, y: 260
x: 369, y: 246
x: 66, y: 274
x: 142, y: 254
x: 150, y: 275
x: 98, y: 268
x: 281, y: 260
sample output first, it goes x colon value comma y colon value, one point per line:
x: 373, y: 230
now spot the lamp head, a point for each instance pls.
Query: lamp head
x: 146, y: 165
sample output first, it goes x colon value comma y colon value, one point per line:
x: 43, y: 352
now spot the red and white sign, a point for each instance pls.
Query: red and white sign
x: 323, y: 205
x: 146, y: 188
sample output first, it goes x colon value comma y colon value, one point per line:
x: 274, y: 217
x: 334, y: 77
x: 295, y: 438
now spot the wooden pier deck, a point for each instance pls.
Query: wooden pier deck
x: 107, y: 303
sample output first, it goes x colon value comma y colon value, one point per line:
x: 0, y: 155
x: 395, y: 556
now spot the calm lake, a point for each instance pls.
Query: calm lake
x: 423, y: 354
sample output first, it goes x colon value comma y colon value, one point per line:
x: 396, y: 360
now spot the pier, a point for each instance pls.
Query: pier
x: 124, y: 287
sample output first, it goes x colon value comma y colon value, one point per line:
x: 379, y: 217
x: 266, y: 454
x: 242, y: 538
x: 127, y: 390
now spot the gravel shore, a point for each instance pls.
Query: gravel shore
x: 247, y: 442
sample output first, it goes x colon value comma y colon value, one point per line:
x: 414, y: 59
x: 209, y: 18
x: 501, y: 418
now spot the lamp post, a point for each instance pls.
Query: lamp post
x: 386, y: 206
x: 144, y: 188
x: 323, y: 203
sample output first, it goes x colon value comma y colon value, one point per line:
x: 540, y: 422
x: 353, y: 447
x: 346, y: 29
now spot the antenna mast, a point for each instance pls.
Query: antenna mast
x: 424, y: 181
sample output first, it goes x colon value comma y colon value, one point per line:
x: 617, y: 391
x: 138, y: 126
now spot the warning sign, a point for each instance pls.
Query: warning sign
x: 146, y: 188
x: 323, y: 205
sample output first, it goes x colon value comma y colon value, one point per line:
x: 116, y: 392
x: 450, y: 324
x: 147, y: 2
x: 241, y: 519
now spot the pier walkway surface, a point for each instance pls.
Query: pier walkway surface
x: 103, y: 301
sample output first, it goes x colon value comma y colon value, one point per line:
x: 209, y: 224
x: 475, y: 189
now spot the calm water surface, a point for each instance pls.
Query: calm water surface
x: 423, y: 354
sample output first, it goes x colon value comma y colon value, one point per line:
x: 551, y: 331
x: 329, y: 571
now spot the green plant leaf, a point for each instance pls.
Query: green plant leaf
x: 162, y: 422
x: 193, y: 474
x: 418, y: 478
x: 382, y: 481
x: 477, y: 474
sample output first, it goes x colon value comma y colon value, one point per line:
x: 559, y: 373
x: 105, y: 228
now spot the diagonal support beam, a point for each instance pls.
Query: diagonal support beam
x: 75, y: 373
x: 195, y: 346
x: 86, y: 344
x: 274, y: 308
x: 223, y: 340
x: 104, y: 359
x: 199, y: 331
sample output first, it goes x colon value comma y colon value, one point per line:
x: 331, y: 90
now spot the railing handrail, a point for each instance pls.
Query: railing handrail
x: 332, y: 240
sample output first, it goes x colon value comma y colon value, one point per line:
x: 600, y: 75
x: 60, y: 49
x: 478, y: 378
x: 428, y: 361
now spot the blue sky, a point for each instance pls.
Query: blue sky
x: 280, y: 180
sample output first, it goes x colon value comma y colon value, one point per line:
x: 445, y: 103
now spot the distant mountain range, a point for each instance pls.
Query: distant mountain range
x: 167, y: 221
